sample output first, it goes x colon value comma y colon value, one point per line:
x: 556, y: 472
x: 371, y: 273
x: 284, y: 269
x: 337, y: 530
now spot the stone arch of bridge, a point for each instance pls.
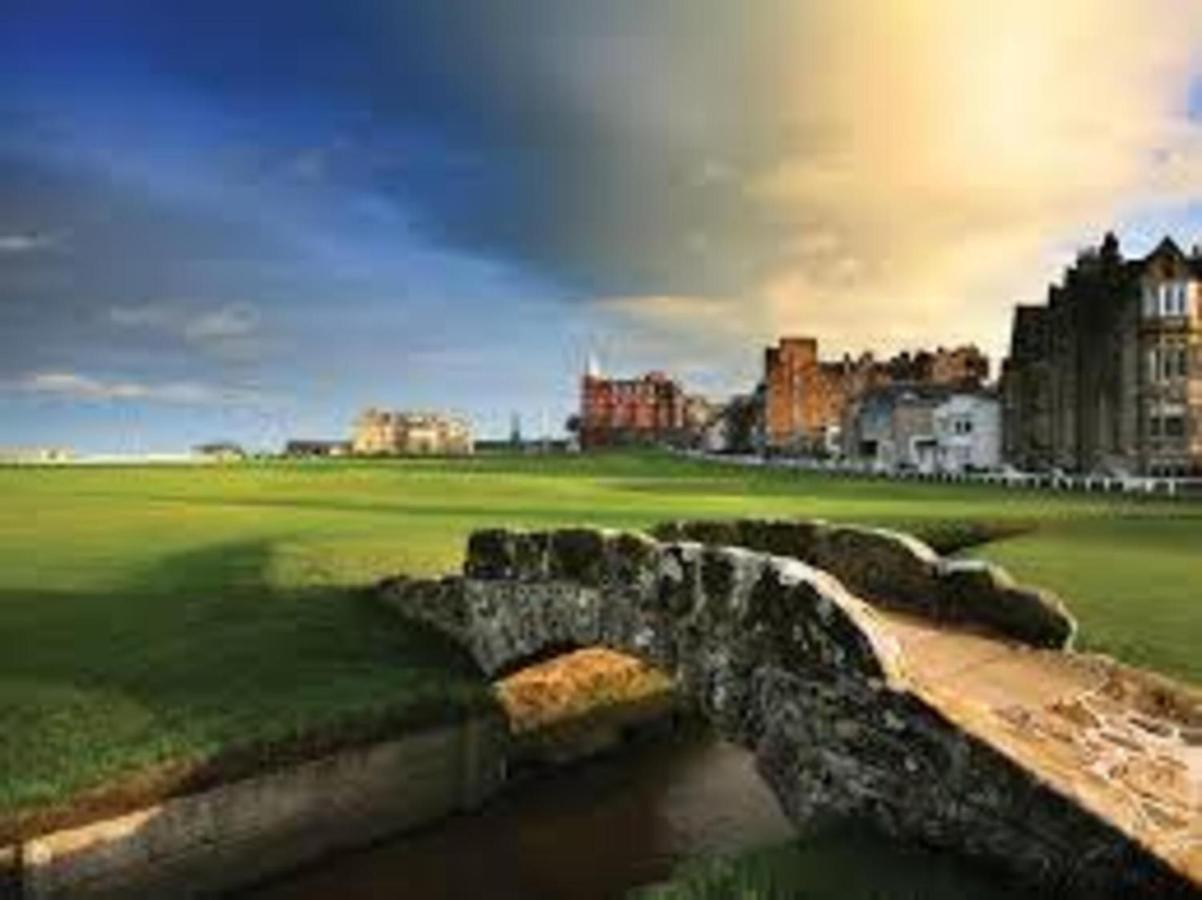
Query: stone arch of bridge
x: 725, y: 623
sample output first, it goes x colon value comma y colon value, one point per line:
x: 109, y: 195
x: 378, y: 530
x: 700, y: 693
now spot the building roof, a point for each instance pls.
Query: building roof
x: 921, y: 391
x: 1170, y: 249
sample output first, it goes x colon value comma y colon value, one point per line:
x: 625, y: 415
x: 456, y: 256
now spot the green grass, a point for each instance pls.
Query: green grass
x: 838, y: 864
x: 152, y: 615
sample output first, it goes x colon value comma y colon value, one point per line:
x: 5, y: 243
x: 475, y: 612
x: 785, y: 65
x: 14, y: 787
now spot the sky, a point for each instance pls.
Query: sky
x: 249, y: 220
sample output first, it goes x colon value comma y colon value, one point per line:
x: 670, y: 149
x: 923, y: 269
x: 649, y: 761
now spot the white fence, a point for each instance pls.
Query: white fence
x: 1052, y: 481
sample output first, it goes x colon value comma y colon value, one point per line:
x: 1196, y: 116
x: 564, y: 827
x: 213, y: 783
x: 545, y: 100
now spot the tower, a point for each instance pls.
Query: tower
x: 515, y: 430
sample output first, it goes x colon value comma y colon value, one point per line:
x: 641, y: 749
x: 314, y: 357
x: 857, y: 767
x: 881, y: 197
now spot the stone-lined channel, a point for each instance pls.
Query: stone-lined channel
x: 585, y: 832
x: 595, y: 830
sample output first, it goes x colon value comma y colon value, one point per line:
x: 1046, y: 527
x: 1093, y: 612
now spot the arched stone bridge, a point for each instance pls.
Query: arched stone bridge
x: 871, y: 679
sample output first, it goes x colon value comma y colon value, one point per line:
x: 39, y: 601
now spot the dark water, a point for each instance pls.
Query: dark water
x: 596, y: 830
x: 588, y: 832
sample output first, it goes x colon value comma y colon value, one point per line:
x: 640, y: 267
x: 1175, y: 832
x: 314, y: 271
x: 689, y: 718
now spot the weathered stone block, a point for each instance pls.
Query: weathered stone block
x: 578, y: 554
x: 632, y: 563
x: 781, y: 537
x: 980, y: 592
x: 530, y: 554
x: 880, y: 565
x: 439, y: 603
x: 718, y: 573
x: 679, y: 579
x: 703, y: 531
x: 490, y: 554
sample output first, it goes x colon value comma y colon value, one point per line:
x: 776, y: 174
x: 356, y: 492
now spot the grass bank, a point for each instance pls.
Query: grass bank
x: 839, y: 864
x: 169, y: 619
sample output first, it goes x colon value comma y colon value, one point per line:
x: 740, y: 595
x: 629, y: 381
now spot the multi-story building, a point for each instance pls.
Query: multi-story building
x: 386, y: 433
x: 652, y: 409
x: 968, y: 432
x: 1169, y: 355
x: 1107, y: 376
x: 806, y: 399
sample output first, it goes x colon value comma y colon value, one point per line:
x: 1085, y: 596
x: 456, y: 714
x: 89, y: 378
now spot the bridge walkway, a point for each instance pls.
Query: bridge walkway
x: 1100, y: 734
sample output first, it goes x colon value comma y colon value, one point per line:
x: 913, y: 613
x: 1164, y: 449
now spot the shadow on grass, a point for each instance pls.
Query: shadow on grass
x: 434, y: 506
x: 197, y: 672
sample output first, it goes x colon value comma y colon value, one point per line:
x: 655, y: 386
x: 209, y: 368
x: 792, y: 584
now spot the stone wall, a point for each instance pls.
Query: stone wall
x: 900, y: 572
x: 210, y: 843
x: 783, y: 659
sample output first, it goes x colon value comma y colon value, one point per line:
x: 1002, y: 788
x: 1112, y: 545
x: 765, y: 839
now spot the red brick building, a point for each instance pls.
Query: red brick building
x: 803, y: 397
x: 620, y: 412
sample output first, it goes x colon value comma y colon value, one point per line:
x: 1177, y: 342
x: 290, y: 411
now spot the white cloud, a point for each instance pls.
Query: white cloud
x: 225, y: 323
x: 232, y: 329
x: 76, y: 386
x: 28, y: 242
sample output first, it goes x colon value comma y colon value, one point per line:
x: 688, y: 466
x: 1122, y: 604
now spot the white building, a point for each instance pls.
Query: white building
x: 968, y: 433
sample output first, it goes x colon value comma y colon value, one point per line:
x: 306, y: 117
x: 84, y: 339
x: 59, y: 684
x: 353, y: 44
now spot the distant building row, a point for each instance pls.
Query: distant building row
x: 811, y: 405
x: 1105, y: 377
x: 927, y: 410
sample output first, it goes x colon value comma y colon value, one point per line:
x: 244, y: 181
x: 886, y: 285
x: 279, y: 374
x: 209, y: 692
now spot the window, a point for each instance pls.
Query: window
x: 1168, y: 298
x: 1168, y: 361
x: 1154, y: 426
x: 1174, y: 426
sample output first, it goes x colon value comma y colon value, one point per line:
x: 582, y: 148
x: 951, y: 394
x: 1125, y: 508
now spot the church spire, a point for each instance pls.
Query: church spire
x: 591, y: 367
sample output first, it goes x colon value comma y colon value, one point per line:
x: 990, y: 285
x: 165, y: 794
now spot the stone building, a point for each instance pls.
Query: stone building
x: 615, y: 412
x: 968, y: 432
x: 387, y: 433
x: 924, y: 427
x: 1107, y: 376
x: 806, y: 399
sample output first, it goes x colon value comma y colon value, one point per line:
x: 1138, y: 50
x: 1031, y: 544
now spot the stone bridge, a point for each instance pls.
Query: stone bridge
x: 870, y: 679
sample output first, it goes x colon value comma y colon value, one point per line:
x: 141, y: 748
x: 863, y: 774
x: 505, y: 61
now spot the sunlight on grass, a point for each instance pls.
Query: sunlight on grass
x: 169, y: 613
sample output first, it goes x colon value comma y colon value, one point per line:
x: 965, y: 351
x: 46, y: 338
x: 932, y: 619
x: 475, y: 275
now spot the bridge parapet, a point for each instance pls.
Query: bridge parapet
x: 851, y: 708
x: 900, y: 572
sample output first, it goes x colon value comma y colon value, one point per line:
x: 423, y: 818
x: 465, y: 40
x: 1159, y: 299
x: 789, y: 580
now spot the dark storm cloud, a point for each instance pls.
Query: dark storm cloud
x: 598, y: 144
